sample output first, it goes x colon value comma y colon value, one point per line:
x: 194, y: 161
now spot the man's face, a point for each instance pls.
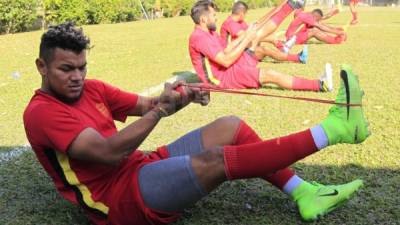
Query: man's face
x: 242, y: 16
x: 317, y: 16
x: 64, y: 75
x: 211, y: 19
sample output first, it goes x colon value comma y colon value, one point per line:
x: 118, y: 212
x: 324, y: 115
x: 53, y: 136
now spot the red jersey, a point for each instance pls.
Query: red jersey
x: 231, y: 28
x: 204, y: 47
x: 302, y: 18
x: 52, y: 125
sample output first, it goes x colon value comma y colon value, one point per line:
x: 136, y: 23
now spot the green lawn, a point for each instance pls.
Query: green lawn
x: 139, y: 55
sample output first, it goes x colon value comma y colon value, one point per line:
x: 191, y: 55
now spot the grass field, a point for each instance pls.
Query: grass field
x: 139, y: 55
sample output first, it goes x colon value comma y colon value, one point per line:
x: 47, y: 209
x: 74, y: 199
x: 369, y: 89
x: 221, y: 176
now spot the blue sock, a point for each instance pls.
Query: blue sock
x: 320, y: 137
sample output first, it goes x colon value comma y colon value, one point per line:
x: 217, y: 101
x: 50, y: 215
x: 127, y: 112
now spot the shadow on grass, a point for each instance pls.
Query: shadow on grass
x: 270, y: 60
x: 316, y: 43
x: 27, y: 196
x: 191, y: 77
x: 187, y: 76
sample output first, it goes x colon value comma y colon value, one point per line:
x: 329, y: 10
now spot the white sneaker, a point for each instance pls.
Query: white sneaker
x: 327, y: 77
x: 285, y: 49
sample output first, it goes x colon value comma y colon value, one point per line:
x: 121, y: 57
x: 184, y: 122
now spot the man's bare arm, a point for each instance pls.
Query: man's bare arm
x: 144, y: 105
x: 233, y: 44
x: 91, y: 146
x: 227, y: 58
x: 329, y: 29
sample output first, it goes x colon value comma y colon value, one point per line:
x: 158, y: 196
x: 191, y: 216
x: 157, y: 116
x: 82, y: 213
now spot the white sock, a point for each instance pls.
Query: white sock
x: 290, y: 43
x: 292, y: 184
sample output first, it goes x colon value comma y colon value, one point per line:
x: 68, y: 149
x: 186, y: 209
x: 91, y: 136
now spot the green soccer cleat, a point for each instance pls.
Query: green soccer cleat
x: 347, y: 124
x: 316, y: 200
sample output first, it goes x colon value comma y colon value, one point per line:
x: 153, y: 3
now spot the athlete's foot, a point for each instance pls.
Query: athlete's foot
x: 354, y: 22
x: 316, y: 200
x: 327, y: 79
x: 347, y: 124
x: 335, y: 11
x: 303, y: 55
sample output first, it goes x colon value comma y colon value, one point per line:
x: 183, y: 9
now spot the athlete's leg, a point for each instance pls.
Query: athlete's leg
x: 279, y: 44
x: 228, y: 130
x: 325, y: 37
x: 190, y: 178
x: 298, y: 39
x: 262, y: 52
x: 270, y: 25
x: 268, y: 76
x: 353, y: 11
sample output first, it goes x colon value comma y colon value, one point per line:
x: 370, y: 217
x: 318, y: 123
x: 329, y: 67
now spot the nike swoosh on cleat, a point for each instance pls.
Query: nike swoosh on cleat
x: 344, y: 76
x: 356, y: 135
x: 334, y: 193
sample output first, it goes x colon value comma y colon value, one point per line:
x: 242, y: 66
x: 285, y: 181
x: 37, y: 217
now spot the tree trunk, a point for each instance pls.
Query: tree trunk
x: 8, y: 28
x: 43, y: 16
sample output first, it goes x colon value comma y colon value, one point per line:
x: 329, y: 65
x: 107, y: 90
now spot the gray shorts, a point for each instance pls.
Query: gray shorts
x: 170, y: 185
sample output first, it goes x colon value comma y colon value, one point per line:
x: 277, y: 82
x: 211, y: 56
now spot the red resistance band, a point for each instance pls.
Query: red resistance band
x: 229, y: 91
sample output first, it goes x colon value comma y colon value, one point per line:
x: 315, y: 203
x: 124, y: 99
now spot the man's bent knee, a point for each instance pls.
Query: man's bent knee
x: 268, y: 76
x: 209, y: 168
x: 229, y: 121
x: 210, y: 159
x: 220, y: 132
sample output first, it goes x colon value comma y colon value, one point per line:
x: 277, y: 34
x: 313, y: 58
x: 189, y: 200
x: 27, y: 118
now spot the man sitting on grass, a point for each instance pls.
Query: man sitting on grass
x: 70, y: 125
x: 235, y: 26
x: 232, y: 66
x: 307, y: 25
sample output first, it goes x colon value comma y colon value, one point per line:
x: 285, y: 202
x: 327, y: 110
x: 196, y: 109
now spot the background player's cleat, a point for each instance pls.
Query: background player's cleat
x: 303, y: 55
x: 347, y: 124
x: 327, y: 78
x: 316, y: 200
x: 296, y: 4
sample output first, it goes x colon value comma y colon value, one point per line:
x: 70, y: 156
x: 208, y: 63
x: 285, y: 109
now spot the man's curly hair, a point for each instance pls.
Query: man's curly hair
x: 65, y: 36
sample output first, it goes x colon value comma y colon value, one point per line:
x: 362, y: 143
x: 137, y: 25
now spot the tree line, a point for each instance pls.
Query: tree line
x: 24, y: 15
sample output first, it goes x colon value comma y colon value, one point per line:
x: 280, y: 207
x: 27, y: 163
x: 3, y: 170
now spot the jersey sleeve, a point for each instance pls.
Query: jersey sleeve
x: 209, y: 48
x: 120, y: 102
x: 53, y: 127
x: 224, y: 33
x: 235, y: 29
x: 308, y: 20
